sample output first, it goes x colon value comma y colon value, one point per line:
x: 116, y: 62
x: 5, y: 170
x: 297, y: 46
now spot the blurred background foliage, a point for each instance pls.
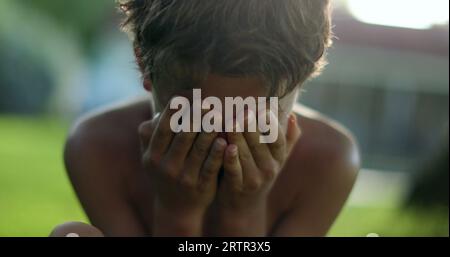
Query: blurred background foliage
x: 84, y: 17
x: 386, y: 83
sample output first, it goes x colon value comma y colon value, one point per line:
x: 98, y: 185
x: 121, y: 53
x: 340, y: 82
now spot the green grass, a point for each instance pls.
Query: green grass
x: 35, y: 194
x: 391, y: 222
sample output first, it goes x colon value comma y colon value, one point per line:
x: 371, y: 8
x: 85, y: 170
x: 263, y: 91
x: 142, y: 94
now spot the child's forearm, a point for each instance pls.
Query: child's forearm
x: 241, y: 223
x: 183, y: 168
x: 171, y: 223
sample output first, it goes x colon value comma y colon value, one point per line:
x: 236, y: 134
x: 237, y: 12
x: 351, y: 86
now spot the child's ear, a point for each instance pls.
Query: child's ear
x: 138, y: 55
x: 147, y: 82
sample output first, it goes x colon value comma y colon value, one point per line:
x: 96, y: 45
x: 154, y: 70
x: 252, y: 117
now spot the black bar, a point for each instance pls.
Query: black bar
x: 226, y: 246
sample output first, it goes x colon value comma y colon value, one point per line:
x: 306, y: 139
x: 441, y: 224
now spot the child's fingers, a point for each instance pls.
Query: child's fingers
x: 197, y: 155
x: 245, y: 156
x: 180, y: 146
x: 232, y: 166
x: 293, y: 132
x: 278, y: 148
x: 198, y: 151
x: 145, y: 131
x: 163, y: 133
x: 260, y: 152
x: 214, y: 161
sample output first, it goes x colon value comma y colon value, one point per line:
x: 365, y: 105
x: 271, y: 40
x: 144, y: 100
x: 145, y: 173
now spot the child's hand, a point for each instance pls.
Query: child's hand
x: 251, y: 168
x: 183, y: 168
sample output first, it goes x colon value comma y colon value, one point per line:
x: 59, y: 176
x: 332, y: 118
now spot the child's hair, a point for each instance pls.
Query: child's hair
x: 281, y: 41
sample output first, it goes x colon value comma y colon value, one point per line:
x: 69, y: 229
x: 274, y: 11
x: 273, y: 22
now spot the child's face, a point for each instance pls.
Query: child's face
x: 221, y: 87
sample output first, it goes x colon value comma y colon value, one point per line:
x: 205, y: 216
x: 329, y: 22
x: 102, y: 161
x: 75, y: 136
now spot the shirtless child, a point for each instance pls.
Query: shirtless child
x: 135, y: 177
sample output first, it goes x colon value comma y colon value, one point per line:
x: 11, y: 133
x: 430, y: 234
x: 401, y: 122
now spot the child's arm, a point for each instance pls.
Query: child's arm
x: 97, y: 181
x: 249, y: 175
x: 251, y: 169
x: 184, y: 169
x: 322, y: 193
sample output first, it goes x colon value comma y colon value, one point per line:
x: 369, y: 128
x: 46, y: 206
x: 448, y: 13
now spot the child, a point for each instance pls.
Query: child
x: 134, y: 176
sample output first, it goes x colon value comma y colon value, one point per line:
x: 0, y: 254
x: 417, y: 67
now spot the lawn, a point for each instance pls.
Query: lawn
x: 35, y: 193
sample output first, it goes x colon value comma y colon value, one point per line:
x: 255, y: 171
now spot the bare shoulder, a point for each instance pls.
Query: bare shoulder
x: 106, y: 134
x: 318, y: 176
x: 101, y: 149
x: 327, y: 150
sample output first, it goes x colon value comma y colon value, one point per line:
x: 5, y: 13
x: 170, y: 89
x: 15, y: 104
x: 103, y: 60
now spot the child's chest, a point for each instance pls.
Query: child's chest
x: 142, y: 198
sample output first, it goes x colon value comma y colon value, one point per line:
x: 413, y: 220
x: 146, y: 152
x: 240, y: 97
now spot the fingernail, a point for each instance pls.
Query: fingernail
x: 220, y: 143
x: 250, y: 117
x: 233, y: 149
x: 292, y: 118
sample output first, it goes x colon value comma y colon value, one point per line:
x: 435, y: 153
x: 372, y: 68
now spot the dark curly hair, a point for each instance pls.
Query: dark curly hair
x: 282, y: 41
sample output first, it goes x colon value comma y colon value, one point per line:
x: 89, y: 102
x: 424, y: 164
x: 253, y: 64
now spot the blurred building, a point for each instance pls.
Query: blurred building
x: 390, y: 87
